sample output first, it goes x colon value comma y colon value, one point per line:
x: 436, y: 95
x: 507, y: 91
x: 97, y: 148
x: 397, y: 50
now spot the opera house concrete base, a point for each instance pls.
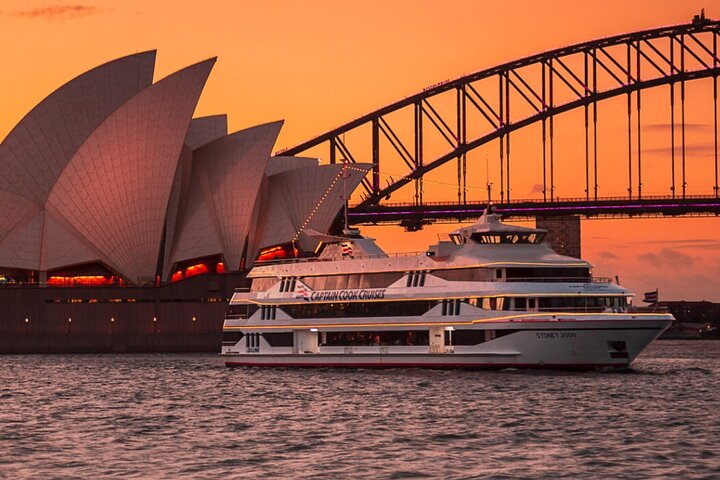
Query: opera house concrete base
x: 184, y: 316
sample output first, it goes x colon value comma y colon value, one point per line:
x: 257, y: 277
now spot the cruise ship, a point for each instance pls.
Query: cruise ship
x: 489, y: 296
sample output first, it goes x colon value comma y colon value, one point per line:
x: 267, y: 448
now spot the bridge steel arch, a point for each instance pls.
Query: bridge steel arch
x: 588, y: 73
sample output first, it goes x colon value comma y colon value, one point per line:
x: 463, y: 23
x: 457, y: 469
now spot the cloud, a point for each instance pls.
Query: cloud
x: 702, y: 150
x: 667, y: 257
x: 607, y: 255
x: 57, y: 12
x: 702, y: 243
x: 537, y: 188
x: 665, y: 127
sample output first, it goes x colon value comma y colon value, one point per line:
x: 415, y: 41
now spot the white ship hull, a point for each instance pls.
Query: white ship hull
x: 571, y: 345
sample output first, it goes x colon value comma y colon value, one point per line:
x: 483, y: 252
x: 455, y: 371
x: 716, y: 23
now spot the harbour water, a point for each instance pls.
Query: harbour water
x: 187, y: 416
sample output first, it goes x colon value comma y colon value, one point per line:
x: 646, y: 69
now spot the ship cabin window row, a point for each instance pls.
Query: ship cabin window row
x: 368, y: 339
x: 329, y: 282
x: 489, y: 238
x: 457, y: 337
x: 547, y: 274
x: 417, y: 278
x: 404, y: 308
x: 582, y: 304
x: 410, y: 308
x: 508, y: 237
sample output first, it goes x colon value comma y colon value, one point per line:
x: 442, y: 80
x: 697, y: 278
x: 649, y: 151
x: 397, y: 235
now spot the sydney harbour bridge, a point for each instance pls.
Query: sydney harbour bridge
x: 646, y: 76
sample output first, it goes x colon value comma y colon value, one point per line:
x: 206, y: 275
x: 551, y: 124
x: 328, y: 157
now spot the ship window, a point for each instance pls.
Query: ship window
x: 475, y: 337
x: 451, y: 307
x: 236, y: 312
x: 253, y: 342
x: 279, y: 339
x: 231, y: 337
x: 416, y: 279
x: 502, y: 333
x: 547, y: 274
x: 456, y: 239
x: 268, y: 312
x: 465, y: 274
x: 287, y: 284
x: 468, y: 337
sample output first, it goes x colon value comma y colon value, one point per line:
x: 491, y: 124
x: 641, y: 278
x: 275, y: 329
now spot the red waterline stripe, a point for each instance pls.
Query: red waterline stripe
x: 546, y: 366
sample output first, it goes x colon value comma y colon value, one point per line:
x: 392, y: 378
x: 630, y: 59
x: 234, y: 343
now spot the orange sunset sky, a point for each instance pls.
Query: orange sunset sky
x: 318, y: 64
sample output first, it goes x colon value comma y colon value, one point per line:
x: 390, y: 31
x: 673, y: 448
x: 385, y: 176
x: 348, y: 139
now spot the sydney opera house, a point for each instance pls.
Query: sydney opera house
x: 126, y: 223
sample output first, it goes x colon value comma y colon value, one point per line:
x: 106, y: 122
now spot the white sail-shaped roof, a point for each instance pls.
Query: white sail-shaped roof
x: 116, y: 188
x: 38, y: 149
x: 16, y: 210
x: 204, y: 130
x: 21, y: 248
x: 62, y: 246
x: 197, y: 234
x: 281, y: 164
x: 304, y: 198
x: 231, y: 170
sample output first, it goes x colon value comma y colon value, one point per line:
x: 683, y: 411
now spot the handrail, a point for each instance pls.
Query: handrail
x: 538, y: 200
x: 560, y: 279
x: 261, y: 263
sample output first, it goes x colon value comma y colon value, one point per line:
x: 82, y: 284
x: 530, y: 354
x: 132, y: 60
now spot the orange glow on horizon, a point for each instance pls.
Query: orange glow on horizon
x: 318, y: 64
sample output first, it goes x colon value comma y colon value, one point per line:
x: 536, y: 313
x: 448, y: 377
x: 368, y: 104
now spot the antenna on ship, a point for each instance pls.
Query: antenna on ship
x: 347, y: 231
x: 345, y: 190
x: 488, y: 183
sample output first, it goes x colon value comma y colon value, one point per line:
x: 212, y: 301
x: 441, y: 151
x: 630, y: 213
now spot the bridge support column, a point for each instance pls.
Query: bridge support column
x: 563, y: 234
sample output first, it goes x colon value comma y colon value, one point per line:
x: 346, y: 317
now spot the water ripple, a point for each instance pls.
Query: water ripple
x: 186, y: 416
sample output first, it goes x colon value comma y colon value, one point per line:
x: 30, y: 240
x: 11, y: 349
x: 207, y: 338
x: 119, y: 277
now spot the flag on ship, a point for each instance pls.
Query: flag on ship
x: 347, y: 250
x: 651, y: 297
